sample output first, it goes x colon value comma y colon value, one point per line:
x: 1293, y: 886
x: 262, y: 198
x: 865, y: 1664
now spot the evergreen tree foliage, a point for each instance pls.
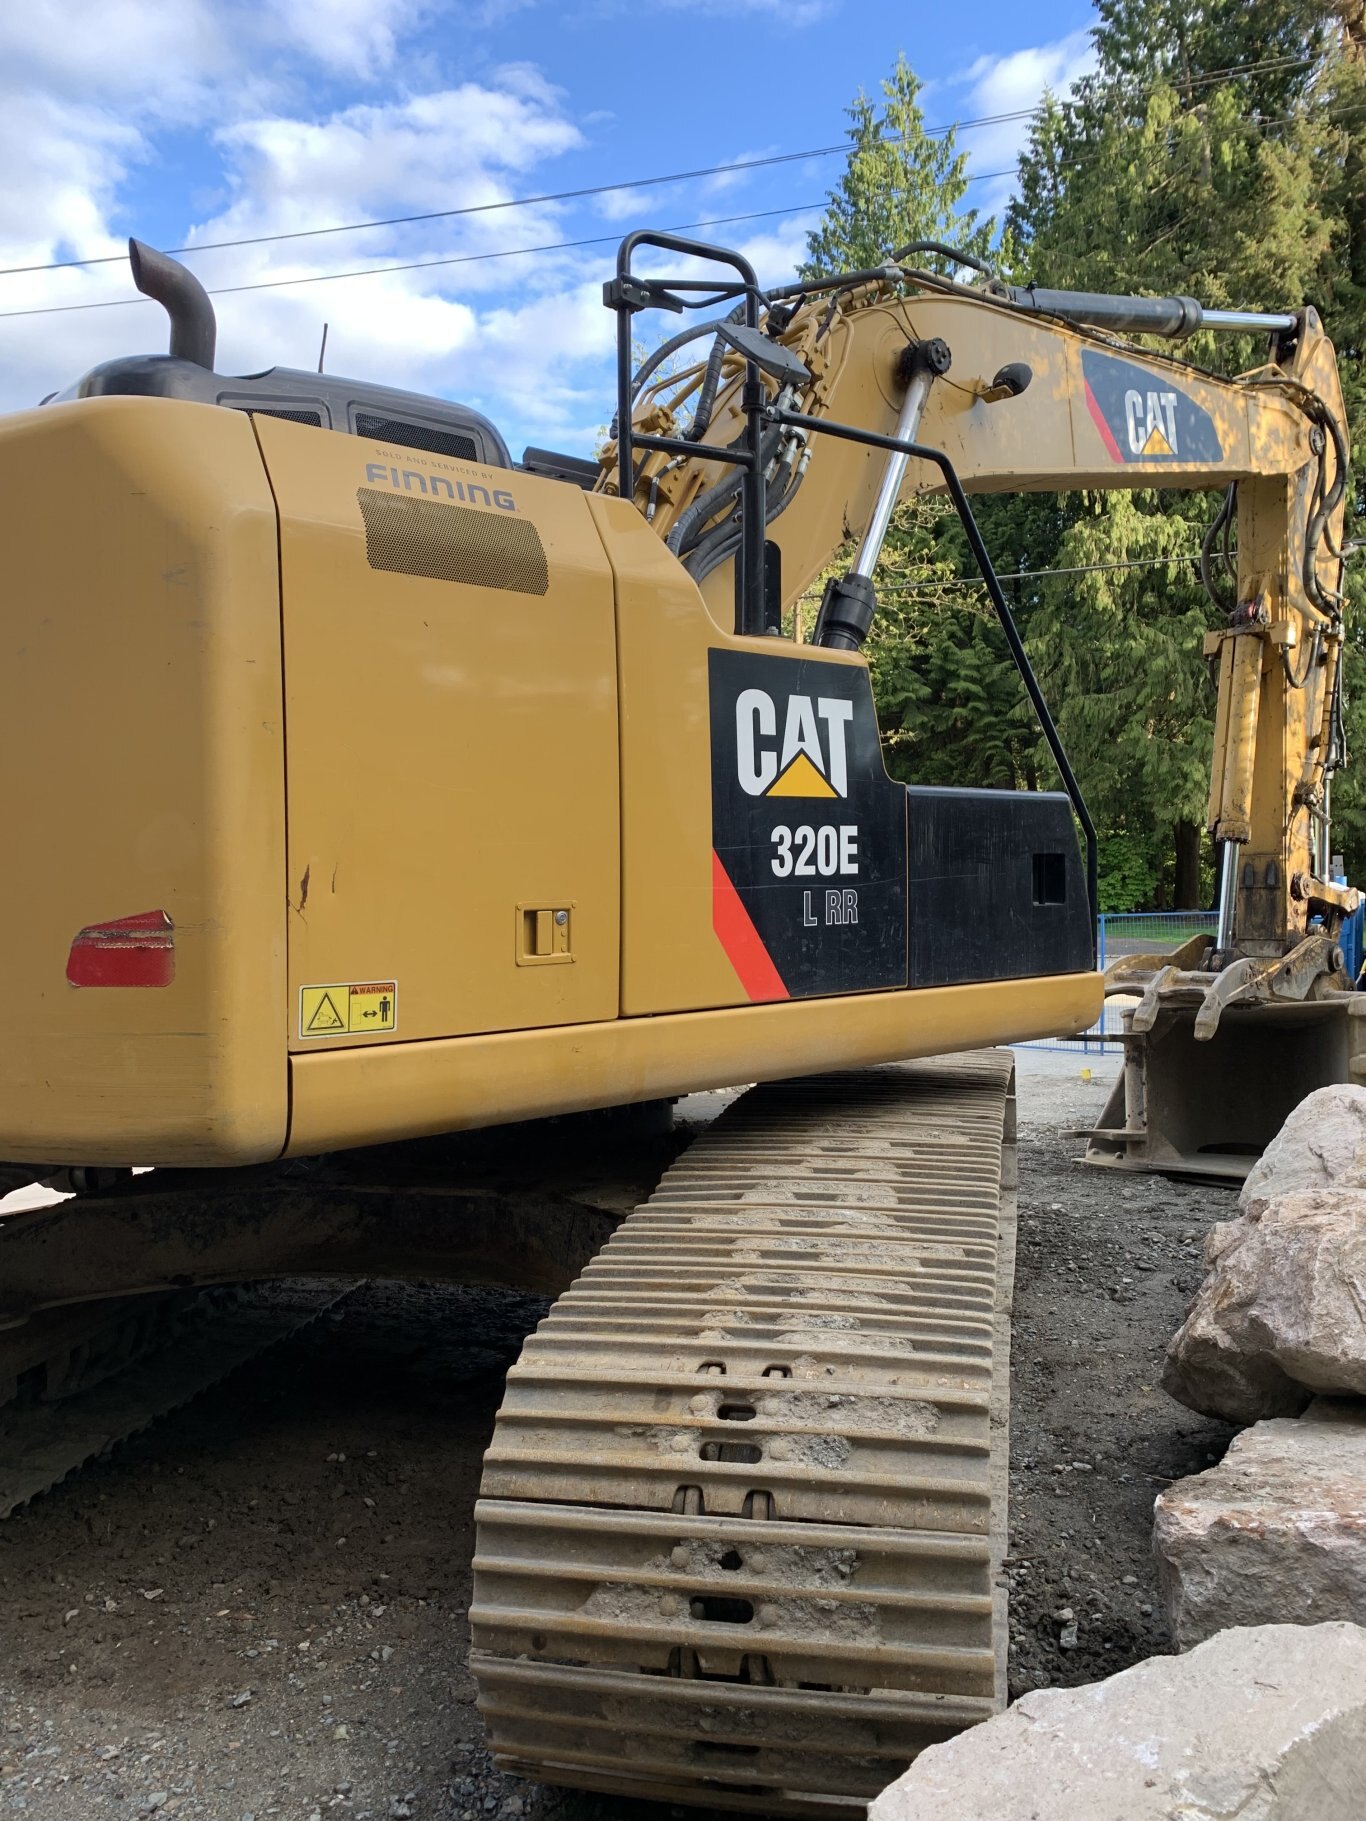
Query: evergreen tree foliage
x: 899, y: 184
x: 1215, y: 152
x: 1218, y: 150
x: 946, y: 692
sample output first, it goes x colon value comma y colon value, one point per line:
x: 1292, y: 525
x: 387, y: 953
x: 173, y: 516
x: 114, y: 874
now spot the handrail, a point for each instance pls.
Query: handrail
x: 627, y: 294
x: 922, y: 452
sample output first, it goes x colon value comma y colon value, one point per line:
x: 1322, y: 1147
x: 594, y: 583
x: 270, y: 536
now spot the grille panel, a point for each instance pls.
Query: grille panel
x: 290, y: 417
x: 417, y: 436
x: 447, y: 543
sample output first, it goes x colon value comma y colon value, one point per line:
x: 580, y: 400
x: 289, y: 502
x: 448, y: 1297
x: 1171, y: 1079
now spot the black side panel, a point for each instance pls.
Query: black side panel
x: 997, y: 886
x: 553, y: 467
x: 808, y: 831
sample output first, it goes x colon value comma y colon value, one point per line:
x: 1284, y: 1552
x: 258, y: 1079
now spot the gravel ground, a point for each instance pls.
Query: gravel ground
x: 258, y: 1609
x: 1106, y: 1267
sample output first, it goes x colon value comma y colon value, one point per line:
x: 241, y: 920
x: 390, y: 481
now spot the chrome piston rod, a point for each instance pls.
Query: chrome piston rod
x: 1174, y: 317
x: 907, y: 426
x: 1228, y: 891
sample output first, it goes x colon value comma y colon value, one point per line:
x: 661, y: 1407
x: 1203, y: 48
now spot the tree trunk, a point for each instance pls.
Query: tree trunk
x: 1187, y: 887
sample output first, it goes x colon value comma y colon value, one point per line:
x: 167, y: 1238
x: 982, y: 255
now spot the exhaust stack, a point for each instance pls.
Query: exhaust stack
x: 194, y: 328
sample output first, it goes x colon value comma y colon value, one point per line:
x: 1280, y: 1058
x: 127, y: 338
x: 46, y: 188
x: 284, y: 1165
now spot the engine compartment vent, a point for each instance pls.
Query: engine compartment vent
x: 291, y: 417
x: 449, y: 543
x: 416, y: 436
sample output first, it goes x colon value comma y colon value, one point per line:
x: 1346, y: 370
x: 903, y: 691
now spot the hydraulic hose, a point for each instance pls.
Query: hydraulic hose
x: 718, y: 545
x: 708, y: 504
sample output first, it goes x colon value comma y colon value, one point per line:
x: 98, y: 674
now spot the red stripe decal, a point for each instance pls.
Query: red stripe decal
x: 741, y: 941
x: 129, y: 951
x: 1107, y: 435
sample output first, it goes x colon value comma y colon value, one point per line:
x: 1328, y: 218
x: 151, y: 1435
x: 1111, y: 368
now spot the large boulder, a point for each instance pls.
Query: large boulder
x: 1322, y: 1145
x: 1276, y: 1533
x: 1261, y: 1725
x: 1282, y: 1312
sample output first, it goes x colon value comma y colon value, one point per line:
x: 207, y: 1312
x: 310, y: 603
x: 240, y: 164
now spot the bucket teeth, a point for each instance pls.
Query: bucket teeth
x: 743, y: 1506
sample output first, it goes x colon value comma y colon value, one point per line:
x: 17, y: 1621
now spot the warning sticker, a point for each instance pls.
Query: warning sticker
x: 353, y: 1009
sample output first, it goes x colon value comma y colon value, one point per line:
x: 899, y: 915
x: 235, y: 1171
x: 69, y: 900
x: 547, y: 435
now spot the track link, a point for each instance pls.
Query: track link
x: 741, y: 1517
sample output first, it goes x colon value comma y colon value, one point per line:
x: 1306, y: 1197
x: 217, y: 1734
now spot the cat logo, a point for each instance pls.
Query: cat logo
x: 1151, y: 423
x: 1141, y: 416
x: 810, y: 760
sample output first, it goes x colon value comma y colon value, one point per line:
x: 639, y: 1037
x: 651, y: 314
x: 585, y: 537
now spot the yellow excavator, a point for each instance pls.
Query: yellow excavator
x: 397, y: 789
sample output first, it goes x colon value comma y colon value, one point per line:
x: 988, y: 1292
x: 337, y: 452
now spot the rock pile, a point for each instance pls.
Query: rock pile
x: 1279, y: 1526
x: 1277, y: 1531
x: 1266, y: 1724
x: 1282, y: 1313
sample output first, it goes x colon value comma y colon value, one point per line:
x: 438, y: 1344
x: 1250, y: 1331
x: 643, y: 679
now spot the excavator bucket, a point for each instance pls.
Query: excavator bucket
x: 1215, y: 1061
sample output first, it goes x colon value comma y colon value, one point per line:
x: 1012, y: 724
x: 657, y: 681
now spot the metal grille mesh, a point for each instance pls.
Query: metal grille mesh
x: 448, y: 543
x: 290, y: 417
x: 416, y: 436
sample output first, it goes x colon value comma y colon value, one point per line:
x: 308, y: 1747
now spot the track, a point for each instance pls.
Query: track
x: 119, y: 1370
x: 741, y: 1517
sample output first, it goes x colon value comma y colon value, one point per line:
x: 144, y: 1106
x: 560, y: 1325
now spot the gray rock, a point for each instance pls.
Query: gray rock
x: 1266, y: 1724
x: 1276, y: 1533
x: 1322, y: 1145
x: 1282, y: 1312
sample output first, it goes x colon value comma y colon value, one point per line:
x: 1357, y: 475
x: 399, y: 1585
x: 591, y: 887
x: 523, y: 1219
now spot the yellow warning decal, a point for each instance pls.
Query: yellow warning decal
x: 352, y: 1009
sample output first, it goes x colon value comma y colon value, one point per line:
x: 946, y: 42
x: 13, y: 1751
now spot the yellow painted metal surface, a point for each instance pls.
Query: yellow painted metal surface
x: 671, y: 958
x: 141, y: 750
x: 1047, y: 438
x: 361, y: 1096
x: 416, y: 758
x: 452, y: 746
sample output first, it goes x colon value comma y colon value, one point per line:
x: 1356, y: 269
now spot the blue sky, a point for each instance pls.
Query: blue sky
x: 190, y: 121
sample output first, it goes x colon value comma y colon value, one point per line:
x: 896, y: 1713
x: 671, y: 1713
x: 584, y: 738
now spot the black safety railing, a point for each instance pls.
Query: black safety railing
x: 629, y: 293
x: 824, y: 426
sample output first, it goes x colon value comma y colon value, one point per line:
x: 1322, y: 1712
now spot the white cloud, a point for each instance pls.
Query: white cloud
x: 351, y: 36
x: 632, y: 205
x: 730, y: 177
x: 1010, y: 85
x: 449, y: 150
x: 86, y: 90
x: 153, y: 56
x: 70, y: 161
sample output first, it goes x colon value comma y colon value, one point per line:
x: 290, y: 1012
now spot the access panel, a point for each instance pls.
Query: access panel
x: 451, y: 741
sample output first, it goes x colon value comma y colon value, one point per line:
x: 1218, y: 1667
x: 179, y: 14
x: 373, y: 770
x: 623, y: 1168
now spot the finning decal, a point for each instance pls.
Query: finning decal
x: 1142, y: 417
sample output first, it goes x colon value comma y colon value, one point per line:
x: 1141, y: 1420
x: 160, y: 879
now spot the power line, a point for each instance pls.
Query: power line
x: 1029, y: 575
x: 419, y: 265
x: 273, y: 284
x: 522, y: 202
x: 639, y: 183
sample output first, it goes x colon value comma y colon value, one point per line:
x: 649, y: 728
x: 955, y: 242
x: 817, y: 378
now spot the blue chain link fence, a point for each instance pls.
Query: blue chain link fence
x: 1130, y: 933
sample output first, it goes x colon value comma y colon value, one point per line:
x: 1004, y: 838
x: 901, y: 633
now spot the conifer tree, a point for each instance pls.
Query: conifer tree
x: 899, y: 184
x: 941, y: 671
x: 1211, y: 153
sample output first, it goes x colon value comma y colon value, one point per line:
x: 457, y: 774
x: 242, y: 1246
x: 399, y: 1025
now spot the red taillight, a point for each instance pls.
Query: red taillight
x: 130, y: 951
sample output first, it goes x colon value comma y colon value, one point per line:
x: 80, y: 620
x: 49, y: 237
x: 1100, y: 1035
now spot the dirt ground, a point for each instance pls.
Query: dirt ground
x: 258, y: 1608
